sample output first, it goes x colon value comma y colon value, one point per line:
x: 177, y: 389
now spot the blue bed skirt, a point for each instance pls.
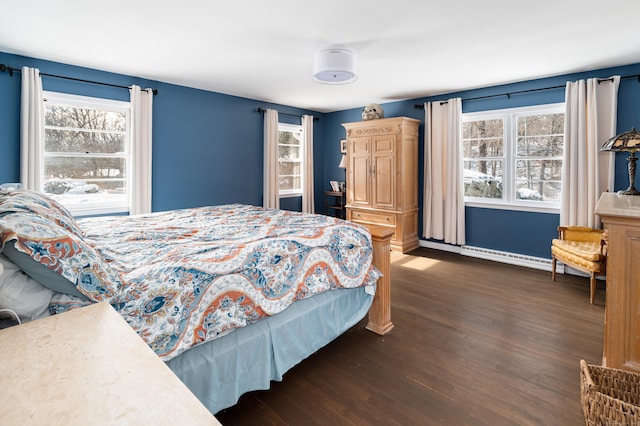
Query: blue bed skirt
x: 247, y: 359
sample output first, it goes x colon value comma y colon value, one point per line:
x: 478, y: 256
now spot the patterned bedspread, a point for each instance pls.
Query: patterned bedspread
x: 189, y: 276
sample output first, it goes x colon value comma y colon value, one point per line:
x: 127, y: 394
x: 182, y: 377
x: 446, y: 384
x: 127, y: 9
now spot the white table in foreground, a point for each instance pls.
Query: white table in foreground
x: 89, y: 367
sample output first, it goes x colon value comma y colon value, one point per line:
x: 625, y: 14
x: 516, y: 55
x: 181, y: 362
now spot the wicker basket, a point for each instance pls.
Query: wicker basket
x: 609, y: 396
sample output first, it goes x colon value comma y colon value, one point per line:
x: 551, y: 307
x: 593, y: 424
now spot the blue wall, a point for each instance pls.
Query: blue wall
x: 512, y: 231
x: 207, y: 147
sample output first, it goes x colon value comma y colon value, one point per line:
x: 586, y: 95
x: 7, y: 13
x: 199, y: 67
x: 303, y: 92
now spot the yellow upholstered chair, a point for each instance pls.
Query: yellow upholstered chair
x: 582, y: 248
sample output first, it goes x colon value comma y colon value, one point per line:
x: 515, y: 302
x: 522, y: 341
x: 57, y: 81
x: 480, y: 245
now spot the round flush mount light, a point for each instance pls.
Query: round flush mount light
x: 335, y: 66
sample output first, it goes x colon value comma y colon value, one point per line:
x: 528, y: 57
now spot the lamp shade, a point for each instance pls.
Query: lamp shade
x: 335, y: 66
x: 627, y: 141
x: 343, y: 162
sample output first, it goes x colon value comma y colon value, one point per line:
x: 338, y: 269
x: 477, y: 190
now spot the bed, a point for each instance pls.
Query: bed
x: 230, y: 297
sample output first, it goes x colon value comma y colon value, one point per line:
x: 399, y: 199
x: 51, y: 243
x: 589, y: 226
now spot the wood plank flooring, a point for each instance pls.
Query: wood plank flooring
x: 475, y: 343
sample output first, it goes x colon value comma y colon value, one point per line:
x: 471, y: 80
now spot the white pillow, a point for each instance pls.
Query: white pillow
x: 22, y: 294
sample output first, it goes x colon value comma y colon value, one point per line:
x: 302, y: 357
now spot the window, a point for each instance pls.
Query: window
x: 514, y: 157
x: 290, y: 155
x: 86, y: 153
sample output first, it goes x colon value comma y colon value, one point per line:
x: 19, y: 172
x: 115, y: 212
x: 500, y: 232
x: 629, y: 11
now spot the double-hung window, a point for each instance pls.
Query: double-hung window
x: 86, y: 153
x: 290, y: 156
x: 513, y: 157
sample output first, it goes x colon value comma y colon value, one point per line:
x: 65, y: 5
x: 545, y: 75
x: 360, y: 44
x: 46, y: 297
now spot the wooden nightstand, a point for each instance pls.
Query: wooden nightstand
x: 334, y: 203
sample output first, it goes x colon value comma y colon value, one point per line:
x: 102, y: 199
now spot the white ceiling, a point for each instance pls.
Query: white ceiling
x: 264, y: 49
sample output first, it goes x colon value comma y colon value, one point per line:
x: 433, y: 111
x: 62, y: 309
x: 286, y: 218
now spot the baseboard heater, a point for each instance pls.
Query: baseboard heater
x: 496, y: 255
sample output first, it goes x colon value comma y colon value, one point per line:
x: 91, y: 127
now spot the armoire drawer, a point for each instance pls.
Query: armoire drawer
x: 375, y: 218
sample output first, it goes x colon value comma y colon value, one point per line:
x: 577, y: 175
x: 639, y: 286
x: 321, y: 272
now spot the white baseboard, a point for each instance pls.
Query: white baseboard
x: 440, y: 246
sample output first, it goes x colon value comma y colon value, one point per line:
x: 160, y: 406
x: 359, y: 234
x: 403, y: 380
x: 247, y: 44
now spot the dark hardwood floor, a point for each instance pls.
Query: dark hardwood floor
x: 475, y: 343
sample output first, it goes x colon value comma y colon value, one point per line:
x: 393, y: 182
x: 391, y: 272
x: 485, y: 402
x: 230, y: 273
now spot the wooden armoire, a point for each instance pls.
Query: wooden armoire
x: 382, y: 177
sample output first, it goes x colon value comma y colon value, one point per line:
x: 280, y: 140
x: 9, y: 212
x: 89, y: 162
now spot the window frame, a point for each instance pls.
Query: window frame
x: 510, y: 137
x: 287, y: 127
x: 67, y: 99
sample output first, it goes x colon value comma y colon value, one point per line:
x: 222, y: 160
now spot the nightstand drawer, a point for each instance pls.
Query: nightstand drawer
x: 374, y: 218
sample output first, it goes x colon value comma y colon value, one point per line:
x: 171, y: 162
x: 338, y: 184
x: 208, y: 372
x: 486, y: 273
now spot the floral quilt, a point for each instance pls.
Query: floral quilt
x: 189, y: 276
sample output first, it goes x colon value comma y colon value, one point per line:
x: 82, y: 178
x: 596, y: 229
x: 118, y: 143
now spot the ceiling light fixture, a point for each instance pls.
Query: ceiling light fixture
x: 335, y: 66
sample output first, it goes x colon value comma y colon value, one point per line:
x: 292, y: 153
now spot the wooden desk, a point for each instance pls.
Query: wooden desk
x: 89, y: 367
x: 621, y: 217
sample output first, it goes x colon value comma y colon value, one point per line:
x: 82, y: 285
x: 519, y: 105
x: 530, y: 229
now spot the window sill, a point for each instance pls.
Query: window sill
x: 86, y: 211
x: 515, y: 207
x: 290, y: 195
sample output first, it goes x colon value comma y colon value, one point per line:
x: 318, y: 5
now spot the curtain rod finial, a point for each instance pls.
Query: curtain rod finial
x: 4, y: 68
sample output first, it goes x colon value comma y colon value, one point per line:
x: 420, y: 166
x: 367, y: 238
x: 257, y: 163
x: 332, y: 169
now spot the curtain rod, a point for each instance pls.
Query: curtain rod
x: 11, y: 70
x: 508, y: 94
x: 262, y: 110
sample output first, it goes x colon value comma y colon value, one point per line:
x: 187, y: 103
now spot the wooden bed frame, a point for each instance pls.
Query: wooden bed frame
x: 380, y: 311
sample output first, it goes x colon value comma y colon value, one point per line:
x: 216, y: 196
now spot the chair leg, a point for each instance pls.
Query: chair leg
x: 592, y: 287
x: 553, y: 268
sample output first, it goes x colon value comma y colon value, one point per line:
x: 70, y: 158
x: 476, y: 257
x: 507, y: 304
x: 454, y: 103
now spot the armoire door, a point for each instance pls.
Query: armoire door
x: 359, y: 172
x: 383, y: 174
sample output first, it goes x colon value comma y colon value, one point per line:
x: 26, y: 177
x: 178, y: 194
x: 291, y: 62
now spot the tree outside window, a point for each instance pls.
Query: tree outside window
x: 514, y: 157
x: 86, y: 153
x: 290, y: 147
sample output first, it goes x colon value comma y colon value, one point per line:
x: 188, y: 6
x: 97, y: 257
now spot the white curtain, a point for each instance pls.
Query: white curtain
x: 443, y: 172
x: 307, y: 188
x: 32, y: 130
x: 590, y: 119
x: 141, y: 143
x: 271, y: 196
